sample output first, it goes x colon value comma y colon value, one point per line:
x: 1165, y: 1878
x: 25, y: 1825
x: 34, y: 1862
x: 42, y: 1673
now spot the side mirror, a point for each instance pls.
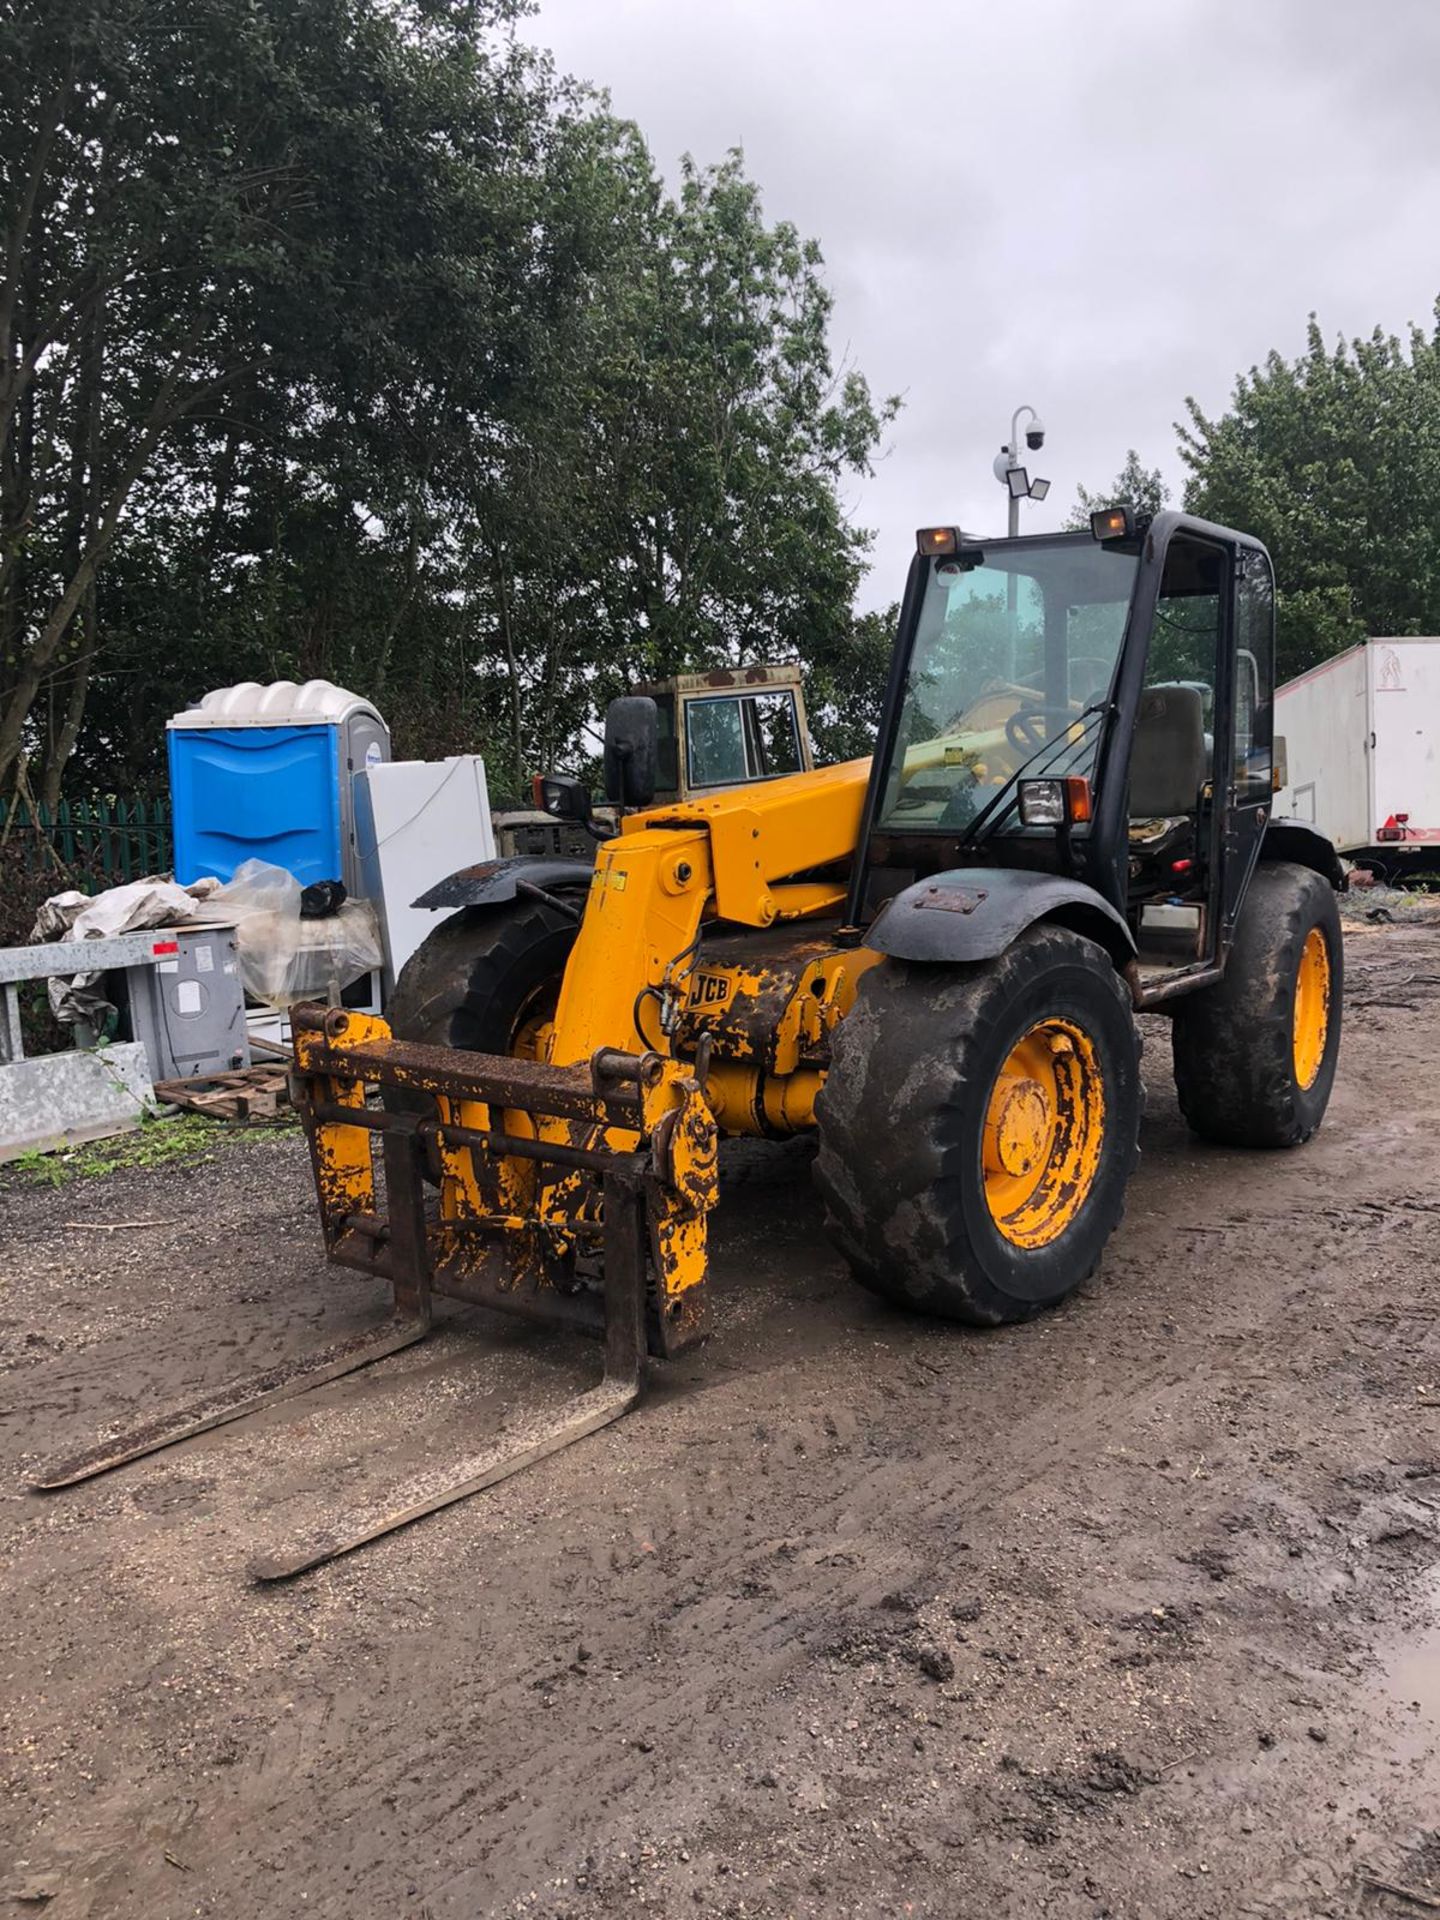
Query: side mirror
x: 562, y: 797
x: 1280, y: 761
x: 632, y: 750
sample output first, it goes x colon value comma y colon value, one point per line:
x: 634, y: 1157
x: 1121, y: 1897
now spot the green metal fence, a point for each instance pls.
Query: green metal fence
x: 102, y: 841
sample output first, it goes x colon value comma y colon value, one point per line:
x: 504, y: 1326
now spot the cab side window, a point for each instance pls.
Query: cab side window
x: 1173, y: 748
x: 1254, y: 678
x: 667, y: 746
x: 775, y: 739
x: 1186, y: 642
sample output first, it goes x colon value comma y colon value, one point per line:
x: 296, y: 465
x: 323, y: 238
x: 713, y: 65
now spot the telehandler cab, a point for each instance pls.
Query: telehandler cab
x: 932, y: 959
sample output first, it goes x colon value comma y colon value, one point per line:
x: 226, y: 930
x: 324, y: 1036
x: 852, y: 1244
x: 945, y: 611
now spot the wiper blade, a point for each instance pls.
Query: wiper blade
x: 1000, y: 803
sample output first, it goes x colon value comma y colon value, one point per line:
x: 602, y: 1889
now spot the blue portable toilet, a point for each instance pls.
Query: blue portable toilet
x: 267, y: 773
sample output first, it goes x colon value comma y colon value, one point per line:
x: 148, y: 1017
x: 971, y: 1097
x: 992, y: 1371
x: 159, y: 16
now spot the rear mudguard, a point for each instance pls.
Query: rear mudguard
x: 1297, y: 840
x: 974, y: 913
x: 493, y: 882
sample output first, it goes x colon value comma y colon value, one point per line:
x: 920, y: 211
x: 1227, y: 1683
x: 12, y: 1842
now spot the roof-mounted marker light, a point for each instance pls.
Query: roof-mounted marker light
x: 1113, y: 523
x: 937, y: 541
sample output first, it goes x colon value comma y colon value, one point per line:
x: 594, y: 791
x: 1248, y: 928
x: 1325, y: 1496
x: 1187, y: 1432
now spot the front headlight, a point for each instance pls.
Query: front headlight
x: 1042, y: 803
x: 1054, y: 803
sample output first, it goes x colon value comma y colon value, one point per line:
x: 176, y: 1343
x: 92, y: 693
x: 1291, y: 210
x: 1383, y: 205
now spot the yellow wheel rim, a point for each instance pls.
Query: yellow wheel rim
x: 530, y: 1036
x: 1312, y: 1008
x: 1044, y: 1125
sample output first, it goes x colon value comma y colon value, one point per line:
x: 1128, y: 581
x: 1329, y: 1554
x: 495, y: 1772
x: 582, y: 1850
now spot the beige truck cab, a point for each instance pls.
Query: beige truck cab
x: 729, y: 728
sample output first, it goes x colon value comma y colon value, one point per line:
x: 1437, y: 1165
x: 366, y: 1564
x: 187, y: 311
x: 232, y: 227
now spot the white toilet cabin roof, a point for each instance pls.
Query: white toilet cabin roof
x: 318, y: 703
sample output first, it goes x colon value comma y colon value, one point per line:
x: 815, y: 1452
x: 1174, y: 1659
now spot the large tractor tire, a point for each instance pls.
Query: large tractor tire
x: 1255, y: 1054
x: 979, y: 1125
x: 486, y: 980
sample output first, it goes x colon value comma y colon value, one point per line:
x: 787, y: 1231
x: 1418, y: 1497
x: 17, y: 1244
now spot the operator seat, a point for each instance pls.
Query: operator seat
x: 1169, y: 764
x: 1167, y: 759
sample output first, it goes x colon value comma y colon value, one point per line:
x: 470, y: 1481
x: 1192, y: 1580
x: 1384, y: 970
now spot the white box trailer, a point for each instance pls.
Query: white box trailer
x: 1362, y: 752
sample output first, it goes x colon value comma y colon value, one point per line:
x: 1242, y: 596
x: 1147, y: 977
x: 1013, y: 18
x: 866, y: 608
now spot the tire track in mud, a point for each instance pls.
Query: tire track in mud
x: 752, y: 1618
x: 712, y: 1634
x: 110, y: 1380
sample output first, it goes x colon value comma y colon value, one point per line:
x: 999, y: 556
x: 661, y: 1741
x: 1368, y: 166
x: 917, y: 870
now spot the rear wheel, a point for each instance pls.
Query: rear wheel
x: 1255, y: 1054
x: 978, y: 1127
x: 486, y: 980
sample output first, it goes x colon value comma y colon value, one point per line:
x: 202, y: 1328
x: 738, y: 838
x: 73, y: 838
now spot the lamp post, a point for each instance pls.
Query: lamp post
x: 1010, y: 471
x: 1018, y: 485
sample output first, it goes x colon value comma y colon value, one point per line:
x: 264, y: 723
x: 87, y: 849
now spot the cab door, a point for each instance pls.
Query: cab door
x: 1246, y: 766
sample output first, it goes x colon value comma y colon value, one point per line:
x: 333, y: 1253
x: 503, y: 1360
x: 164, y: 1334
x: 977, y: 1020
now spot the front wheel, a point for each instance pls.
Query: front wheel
x: 1255, y: 1054
x: 979, y: 1125
x: 486, y: 981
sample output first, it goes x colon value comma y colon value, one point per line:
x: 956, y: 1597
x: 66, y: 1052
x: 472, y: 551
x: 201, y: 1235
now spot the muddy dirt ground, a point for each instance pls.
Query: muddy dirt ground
x: 1130, y: 1612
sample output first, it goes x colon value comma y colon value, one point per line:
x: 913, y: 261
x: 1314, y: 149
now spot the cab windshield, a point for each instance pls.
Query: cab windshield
x: 1014, y: 655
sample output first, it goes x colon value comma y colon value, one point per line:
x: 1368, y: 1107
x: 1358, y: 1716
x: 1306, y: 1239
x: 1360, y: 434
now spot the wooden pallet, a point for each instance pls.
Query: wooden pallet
x: 247, y: 1093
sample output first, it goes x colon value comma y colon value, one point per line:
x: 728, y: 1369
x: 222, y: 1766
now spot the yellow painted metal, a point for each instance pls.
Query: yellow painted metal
x: 762, y: 835
x: 823, y: 995
x: 1043, y: 1131
x: 342, y: 1157
x: 685, y: 1152
x: 1312, y: 1008
x: 748, y: 1100
x: 640, y: 920
x: 808, y: 897
x: 730, y: 855
x: 781, y: 1014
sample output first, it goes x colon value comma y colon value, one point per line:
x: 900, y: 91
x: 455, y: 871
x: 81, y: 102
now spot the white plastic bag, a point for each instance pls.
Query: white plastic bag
x: 257, y: 887
x: 284, y: 959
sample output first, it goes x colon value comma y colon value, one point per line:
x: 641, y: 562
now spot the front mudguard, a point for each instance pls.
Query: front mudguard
x: 492, y: 883
x: 975, y: 913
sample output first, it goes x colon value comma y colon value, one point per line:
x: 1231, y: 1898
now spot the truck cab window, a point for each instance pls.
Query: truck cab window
x: 667, y: 747
x: 715, y: 742
x: 774, y: 738
x: 735, y: 737
x: 1174, y: 742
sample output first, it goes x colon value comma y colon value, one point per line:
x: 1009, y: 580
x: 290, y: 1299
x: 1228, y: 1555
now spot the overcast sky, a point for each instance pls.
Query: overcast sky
x: 1093, y: 208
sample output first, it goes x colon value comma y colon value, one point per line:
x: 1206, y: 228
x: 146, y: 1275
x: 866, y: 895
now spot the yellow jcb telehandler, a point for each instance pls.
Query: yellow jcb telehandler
x: 932, y: 959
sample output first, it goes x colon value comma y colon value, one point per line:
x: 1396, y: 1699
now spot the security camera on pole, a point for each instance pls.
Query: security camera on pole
x: 1011, y: 473
x: 1019, y: 486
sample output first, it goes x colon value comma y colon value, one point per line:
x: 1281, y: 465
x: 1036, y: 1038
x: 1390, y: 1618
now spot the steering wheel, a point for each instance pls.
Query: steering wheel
x: 1023, y: 729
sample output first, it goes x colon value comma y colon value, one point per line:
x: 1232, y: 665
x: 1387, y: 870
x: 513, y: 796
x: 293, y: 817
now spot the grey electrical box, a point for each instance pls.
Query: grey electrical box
x: 187, y: 1007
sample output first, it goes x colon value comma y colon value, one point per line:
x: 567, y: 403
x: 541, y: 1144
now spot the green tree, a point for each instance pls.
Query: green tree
x: 845, y: 686
x: 1134, y: 486
x: 1333, y: 460
x: 257, y: 258
x: 337, y: 338
x: 670, y: 501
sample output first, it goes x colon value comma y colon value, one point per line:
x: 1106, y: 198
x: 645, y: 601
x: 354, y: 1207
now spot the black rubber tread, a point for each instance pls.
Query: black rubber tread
x: 468, y: 983
x: 902, y: 1112
x: 1234, y: 1047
